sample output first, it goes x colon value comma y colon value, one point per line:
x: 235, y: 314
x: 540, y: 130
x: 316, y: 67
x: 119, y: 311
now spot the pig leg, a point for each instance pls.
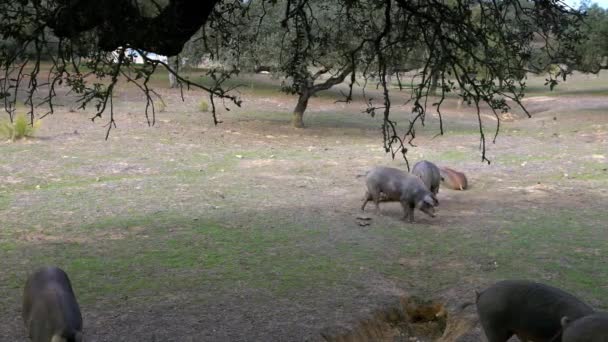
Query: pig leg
x: 374, y: 195
x: 408, y: 212
x: 499, y: 336
x: 496, y: 334
x: 366, y: 198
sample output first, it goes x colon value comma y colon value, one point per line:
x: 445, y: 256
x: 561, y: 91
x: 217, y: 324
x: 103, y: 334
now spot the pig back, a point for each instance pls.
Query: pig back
x: 429, y: 173
x: 387, y: 180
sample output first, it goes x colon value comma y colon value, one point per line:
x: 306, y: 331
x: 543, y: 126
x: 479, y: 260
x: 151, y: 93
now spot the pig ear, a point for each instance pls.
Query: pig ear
x: 430, y: 200
x: 565, y: 321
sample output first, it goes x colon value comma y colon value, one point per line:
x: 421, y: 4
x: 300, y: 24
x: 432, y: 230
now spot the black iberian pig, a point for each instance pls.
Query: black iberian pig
x: 50, y: 310
x: 530, y: 310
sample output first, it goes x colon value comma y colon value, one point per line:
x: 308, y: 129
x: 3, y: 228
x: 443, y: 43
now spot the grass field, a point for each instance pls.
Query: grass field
x: 248, y: 230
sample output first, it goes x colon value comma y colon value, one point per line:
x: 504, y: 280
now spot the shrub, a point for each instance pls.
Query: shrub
x: 19, y: 128
x: 203, y: 106
x: 161, y: 106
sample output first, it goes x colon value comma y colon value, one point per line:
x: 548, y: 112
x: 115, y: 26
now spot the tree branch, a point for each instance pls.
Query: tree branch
x: 332, y: 81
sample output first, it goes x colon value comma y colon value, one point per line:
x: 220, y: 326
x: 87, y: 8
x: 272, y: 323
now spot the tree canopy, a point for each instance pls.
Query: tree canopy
x: 592, y: 52
x: 451, y: 41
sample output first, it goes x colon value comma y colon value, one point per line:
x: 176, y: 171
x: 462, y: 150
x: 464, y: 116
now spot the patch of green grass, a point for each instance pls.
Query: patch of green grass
x: 5, y: 200
x: 74, y: 182
x: 269, y: 258
x: 315, y: 119
x: 207, y: 167
x: 576, y: 84
x: 566, y: 91
x: 7, y: 246
x: 564, y: 247
x: 456, y: 156
x: 599, y: 175
x: 591, y: 171
x: 518, y: 159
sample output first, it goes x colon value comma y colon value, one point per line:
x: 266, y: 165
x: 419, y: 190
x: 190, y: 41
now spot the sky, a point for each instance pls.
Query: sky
x: 575, y: 3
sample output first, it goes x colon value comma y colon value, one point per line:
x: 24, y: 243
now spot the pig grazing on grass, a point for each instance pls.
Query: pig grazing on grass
x: 530, y: 310
x: 591, y: 328
x: 389, y: 184
x: 50, y: 310
x: 429, y: 173
x: 453, y: 179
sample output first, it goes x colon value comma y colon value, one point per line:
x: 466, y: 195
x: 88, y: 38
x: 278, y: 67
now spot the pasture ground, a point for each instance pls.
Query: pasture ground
x: 248, y: 231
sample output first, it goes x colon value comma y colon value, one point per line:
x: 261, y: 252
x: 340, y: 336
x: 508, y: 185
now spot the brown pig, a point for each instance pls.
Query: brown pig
x: 453, y: 179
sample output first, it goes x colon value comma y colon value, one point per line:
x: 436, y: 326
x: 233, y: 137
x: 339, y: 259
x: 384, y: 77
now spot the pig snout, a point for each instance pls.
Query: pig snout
x: 428, y: 210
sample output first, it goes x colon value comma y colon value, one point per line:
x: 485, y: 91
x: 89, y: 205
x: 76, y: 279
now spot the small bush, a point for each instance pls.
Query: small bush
x: 203, y: 106
x: 161, y: 106
x: 553, y: 70
x: 19, y: 128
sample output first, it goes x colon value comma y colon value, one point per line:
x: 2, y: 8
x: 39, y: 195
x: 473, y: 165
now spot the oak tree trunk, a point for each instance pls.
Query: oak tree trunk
x: 309, y: 89
x: 298, y: 113
x: 174, y: 64
x: 434, y: 81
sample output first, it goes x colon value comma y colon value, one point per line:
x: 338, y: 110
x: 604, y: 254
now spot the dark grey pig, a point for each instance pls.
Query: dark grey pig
x: 532, y: 311
x: 389, y: 184
x: 429, y: 173
x: 591, y: 328
x: 50, y: 310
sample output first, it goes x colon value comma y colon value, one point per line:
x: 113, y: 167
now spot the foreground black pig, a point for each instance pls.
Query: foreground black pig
x: 429, y: 173
x: 530, y: 310
x: 50, y: 310
x: 591, y: 328
x: 389, y: 184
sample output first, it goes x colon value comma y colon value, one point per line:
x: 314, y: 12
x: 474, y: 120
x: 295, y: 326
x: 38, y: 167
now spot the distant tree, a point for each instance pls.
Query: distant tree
x: 593, y: 49
x: 357, y: 38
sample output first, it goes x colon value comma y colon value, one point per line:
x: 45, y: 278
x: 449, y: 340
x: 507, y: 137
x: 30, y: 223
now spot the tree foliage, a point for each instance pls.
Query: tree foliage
x: 478, y: 49
x: 592, y: 52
